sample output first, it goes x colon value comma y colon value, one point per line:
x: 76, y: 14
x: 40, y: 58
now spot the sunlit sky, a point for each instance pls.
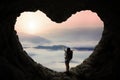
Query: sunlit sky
x: 38, y: 24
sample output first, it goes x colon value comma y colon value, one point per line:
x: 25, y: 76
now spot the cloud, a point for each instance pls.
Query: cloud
x: 27, y: 39
x: 72, y: 61
x: 68, y: 37
x: 31, y: 54
x: 84, y: 34
x: 77, y: 34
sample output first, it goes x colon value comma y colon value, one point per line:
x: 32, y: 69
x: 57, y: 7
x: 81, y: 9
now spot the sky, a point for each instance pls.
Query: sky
x: 84, y: 26
x: 82, y: 30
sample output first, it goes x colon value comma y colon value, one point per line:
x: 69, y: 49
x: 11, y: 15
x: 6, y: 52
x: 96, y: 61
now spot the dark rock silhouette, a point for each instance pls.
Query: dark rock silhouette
x: 102, y: 64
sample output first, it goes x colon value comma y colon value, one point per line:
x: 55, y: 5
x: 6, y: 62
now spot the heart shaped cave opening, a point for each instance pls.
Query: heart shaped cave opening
x: 45, y: 40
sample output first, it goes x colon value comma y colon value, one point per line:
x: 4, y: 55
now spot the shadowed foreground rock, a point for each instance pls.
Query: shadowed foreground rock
x: 102, y: 64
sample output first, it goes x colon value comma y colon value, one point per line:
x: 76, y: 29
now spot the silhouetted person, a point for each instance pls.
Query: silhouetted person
x: 68, y: 57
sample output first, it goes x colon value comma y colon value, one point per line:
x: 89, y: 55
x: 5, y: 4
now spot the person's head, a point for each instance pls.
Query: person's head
x: 68, y: 49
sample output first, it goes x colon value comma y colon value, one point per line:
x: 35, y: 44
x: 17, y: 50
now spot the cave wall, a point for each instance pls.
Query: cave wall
x: 103, y: 63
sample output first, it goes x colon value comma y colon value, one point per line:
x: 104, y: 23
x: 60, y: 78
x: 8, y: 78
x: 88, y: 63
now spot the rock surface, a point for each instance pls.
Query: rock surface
x: 102, y: 64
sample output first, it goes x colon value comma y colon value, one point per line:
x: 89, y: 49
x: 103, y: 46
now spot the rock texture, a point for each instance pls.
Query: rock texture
x: 102, y: 64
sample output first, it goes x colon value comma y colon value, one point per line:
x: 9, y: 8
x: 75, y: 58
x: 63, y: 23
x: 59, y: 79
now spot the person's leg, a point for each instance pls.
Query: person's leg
x: 67, y: 66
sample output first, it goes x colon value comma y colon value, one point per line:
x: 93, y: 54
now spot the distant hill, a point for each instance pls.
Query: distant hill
x: 61, y: 47
x: 84, y: 48
x: 54, y: 47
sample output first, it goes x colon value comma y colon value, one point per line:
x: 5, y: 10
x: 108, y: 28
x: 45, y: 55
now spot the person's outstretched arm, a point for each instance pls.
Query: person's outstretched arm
x: 64, y: 49
x: 65, y: 52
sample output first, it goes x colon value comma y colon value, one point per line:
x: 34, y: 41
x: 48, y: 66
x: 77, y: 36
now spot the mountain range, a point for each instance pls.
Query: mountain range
x: 62, y: 47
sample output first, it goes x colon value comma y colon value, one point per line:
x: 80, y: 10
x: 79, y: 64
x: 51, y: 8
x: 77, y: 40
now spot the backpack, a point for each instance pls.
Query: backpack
x: 70, y: 54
